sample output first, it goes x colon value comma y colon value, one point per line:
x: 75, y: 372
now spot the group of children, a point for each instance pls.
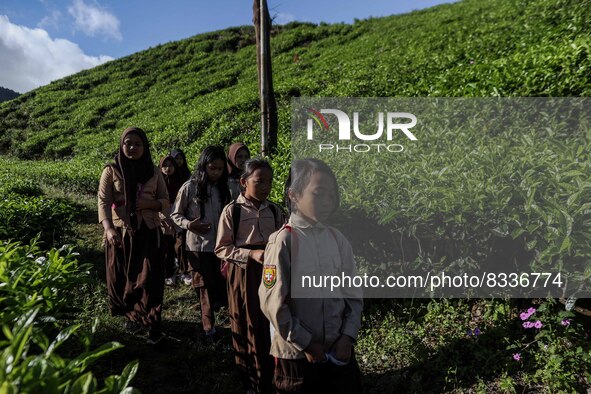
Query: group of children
x: 240, y: 252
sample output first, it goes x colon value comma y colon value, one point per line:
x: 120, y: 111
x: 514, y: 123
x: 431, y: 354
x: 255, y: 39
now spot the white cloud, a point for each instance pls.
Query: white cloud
x: 31, y: 58
x: 51, y: 21
x: 94, y: 20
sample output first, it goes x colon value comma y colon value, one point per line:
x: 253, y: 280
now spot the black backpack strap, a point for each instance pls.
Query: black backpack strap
x: 235, y: 217
x: 277, y: 213
x: 274, y: 210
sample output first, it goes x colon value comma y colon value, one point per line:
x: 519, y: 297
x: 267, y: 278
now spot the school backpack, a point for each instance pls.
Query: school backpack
x: 236, y: 212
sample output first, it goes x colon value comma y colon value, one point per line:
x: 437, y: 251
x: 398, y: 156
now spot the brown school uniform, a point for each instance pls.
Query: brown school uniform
x: 234, y: 172
x: 250, y: 328
x: 204, y: 265
x: 169, y: 228
x: 317, y: 250
x: 184, y: 174
x: 135, y: 271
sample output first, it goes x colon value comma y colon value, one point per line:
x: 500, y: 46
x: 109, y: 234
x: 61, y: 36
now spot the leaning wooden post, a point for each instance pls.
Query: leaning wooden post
x: 263, y: 81
x: 268, y: 105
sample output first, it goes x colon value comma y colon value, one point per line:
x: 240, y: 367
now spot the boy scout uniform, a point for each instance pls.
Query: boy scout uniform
x: 250, y: 328
x: 299, y: 249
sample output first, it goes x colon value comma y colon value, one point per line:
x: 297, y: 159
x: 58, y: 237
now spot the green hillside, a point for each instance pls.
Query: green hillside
x: 203, y: 89
x: 475, y: 196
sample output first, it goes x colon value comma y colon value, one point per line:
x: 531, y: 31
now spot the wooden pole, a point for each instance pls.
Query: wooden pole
x: 268, y: 105
x: 263, y: 80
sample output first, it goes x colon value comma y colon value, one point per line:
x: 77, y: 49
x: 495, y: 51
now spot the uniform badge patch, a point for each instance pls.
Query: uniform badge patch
x: 269, y: 276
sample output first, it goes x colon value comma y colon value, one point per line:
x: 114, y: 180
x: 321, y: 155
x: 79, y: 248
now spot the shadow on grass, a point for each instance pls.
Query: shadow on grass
x: 183, y: 363
x: 458, y: 366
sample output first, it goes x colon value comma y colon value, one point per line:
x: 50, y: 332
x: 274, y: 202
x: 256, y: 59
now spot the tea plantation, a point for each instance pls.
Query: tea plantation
x: 458, y: 198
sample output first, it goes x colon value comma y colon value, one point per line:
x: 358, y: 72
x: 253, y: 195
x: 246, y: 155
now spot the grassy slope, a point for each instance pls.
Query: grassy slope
x: 203, y: 90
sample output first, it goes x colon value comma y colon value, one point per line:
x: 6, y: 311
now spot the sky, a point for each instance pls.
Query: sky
x: 45, y: 40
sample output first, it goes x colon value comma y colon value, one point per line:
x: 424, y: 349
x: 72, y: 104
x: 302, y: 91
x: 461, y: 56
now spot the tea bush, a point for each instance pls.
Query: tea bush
x: 33, y: 278
x: 24, y: 218
x: 37, y: 288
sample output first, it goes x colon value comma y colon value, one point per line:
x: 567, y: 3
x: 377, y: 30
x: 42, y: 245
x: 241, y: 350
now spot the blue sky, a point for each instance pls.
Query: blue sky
x: 44, y: 40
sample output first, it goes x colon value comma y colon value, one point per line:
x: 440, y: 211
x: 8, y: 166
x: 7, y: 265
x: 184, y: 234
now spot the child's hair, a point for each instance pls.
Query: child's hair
x: 209, y: 154
x: 254, y: 164
x: 171, y: 159
x: 299, y: 176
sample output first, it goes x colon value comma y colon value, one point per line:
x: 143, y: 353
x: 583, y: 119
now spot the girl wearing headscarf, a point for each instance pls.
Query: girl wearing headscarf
x: 184, y: 174
x: 181, y: 163
x: 238, y: 153
x: 131, y: 193
x: 170, y: 174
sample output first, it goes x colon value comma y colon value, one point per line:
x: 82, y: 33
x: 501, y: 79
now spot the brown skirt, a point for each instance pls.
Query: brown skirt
x: 181, y: 252
x: 135, y: 276
x: 250, y: 328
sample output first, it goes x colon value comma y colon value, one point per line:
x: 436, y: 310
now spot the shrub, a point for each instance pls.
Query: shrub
x: 24, y: 218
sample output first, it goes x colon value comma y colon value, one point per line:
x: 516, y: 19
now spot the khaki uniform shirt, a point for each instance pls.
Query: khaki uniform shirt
x: 111, y: 198
x: 317, y: 250
x: 255, y: 227
x: 186, y: 208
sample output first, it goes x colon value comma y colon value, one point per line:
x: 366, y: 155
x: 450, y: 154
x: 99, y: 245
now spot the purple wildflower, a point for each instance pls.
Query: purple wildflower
x: 527, y: 324
x: 517, y: 356
x: 531, y: 311
x: 538, y: 324
x: 524, y: 316
x: 565, y: 322
x: 477, y: 331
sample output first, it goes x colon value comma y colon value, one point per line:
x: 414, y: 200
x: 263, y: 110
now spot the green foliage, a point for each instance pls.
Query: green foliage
x: 37, y: 288
x: 481, y: 197
x: 23, y: 369
x: 24, y: 218
x: 462, y: 346
x: 552, y: 350
x: 183, y: 93
x: 26, y: 177
x: 24, y: 187
x: 33, y: 279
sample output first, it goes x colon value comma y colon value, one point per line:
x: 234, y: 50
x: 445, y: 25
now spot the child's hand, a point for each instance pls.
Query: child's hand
x: 200, y: 228
x: 315, y: 353
x: 113, y: 237
x: 342, y: 348
x: 257, y: 255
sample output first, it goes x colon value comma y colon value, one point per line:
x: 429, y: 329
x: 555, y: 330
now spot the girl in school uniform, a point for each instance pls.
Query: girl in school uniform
x: 131, y: 194
x: 314, y: 330
x: 245, y: 226
x: 169, y: 229
x: 181, y: 162
x: 238, y: 153
x: 197, y: 210
x: 184, y: 174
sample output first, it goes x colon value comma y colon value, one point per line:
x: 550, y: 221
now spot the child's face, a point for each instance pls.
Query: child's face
x: 167, y: 167
x: 180, y: 160
x: 241, y: 157
x: 214, y: 170
x: 133, y: 147
x: 258, y: 184
x: 318, y: 199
